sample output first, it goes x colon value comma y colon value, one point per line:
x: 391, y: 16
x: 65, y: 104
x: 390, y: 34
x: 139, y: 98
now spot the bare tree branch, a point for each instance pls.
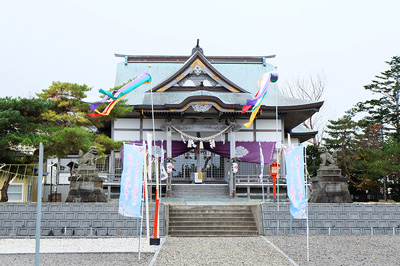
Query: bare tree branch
x: 311, y: 88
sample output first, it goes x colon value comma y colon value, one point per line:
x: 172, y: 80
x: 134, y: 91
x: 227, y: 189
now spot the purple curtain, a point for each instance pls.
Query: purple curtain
x: 247, y: 151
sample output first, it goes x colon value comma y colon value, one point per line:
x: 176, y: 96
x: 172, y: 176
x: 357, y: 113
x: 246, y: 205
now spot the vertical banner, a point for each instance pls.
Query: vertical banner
x: 295, y: 181
x: 261, y: 164
x: 164, y: 174
x: 131, y: 182
x: 150, y: 154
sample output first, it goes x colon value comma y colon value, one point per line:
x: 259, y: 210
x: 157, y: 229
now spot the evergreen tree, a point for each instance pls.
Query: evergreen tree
x: 58, y: 118
x: 344, y: 139
x: 313, y: 159
x: 73, y: 129
x: 385, y: 110
x: 21, y: 125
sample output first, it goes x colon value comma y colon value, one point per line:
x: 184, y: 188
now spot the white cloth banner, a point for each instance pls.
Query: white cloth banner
x: 295, y: 181
x: 130, y: 198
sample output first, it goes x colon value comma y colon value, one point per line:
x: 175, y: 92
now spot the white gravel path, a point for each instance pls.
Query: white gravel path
x: 74, y: 245
x: 323, y: 250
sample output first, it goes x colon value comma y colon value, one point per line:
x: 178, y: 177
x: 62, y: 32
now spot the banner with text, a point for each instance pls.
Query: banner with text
x: 295, y: 181
x: 130, y: 198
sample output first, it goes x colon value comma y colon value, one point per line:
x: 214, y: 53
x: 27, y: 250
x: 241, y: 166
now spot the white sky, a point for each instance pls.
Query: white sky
x: 75, y: 41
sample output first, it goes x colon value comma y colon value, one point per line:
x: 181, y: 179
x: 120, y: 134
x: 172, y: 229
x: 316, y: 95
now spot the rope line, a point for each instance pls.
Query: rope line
x: 209, y: 138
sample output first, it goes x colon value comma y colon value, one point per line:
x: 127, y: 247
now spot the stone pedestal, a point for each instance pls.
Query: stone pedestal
x: 329, y: 186
x: 86, y: 186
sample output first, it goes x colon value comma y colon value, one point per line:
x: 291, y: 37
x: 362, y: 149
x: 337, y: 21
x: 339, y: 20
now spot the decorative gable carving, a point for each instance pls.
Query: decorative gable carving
x: 197, y: 80
x: 198, y: 74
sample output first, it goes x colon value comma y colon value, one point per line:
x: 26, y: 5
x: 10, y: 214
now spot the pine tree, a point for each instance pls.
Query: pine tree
x: 386, y: 109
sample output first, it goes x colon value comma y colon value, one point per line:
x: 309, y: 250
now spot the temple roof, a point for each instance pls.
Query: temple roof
x: 225, y: 81
x: 303, y: 133
x: 238, y: 70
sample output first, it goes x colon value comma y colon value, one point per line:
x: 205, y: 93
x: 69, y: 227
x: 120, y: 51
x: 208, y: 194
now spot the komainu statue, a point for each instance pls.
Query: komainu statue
x: 85, y: 183
x: 326, y: 157
x: 90, y: 157
x: 329, y: 186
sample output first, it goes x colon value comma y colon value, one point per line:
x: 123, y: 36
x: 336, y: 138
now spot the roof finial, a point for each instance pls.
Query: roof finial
x: 197, y: 48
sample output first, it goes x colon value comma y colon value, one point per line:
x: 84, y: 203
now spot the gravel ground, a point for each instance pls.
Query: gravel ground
x: 323, y: 250
x: 76, y: 251
x: 80, y: 259
x: 253, y: 251
x: 74, y: 245
x: 341, y: 250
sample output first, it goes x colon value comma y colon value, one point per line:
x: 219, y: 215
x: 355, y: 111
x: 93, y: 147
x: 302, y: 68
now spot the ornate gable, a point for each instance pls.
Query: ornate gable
x: 198, y: 74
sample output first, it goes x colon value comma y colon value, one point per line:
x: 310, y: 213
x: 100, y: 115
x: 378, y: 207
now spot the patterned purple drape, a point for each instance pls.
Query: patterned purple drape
x: 247, y: 151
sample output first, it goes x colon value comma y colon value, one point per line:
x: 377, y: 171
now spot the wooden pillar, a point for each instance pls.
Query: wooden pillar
x: 141, y: 127
x: 233, y: 155
x: 169, y: 155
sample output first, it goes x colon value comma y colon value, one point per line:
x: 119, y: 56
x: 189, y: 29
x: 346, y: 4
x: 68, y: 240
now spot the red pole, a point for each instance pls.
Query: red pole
x: 156, y: 215
x: 274, y: 185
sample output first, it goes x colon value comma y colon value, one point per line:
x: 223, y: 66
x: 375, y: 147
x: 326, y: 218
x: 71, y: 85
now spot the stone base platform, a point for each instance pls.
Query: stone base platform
x: 329, y: 186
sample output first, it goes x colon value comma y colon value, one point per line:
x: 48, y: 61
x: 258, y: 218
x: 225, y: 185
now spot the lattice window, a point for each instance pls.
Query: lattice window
x: 210, y: 163
x: 16, y: 192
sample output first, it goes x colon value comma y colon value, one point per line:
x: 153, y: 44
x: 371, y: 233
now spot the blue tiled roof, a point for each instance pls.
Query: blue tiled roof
x: 245, y: 75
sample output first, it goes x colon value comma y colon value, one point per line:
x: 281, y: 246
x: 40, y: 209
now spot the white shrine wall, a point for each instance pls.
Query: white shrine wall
x: 126, y: 129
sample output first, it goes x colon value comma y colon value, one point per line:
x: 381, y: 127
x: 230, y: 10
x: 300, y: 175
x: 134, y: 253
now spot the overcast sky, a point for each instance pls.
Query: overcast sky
x: 75, y: 41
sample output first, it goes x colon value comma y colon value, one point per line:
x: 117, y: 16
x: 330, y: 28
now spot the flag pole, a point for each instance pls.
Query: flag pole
x: 156, y: 210
x: 156, y: 217
x: 289, y: 144
x: 143, y: 194
x: 305, y: 175
x: 146, y: 196
x: 276, y: 128
x: 39, y: 205
x: 141, y: 222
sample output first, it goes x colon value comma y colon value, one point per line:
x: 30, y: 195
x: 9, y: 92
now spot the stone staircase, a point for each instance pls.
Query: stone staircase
x: 211, y: 220
x: 200, y: 190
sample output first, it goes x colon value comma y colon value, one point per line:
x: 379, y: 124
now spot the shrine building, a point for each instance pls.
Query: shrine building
x: 194, y: 105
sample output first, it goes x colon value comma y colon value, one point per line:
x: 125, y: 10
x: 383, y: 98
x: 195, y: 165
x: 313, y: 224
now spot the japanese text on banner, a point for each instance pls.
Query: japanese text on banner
x: 131, y: 182
x: 295, y: 181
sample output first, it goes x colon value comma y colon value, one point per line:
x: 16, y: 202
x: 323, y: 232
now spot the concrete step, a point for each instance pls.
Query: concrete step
x: 200, y: 190
x: 205, y: 217
x: 211, y: 207
x: 214, y: 228
x: 224, y: 233
x: 213, y: 223
x: 212, y: 212
x: 215, y: 220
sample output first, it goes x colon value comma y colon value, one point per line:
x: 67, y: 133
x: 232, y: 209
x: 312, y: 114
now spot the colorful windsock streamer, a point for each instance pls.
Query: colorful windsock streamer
x: 263, y: 85
x: 118, y: 95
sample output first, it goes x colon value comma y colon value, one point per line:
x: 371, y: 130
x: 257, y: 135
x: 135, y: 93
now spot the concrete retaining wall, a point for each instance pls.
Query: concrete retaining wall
x: 79, y: 219
x: 344, y: 219
x: 84, y: 219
